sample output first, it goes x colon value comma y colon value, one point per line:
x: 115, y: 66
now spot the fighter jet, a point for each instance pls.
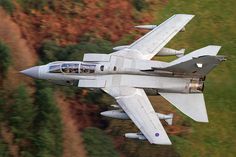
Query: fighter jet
x: 129, y: 75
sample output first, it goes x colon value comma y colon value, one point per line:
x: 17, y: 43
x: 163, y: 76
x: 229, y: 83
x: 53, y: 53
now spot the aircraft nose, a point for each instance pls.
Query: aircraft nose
x: 32, y: 72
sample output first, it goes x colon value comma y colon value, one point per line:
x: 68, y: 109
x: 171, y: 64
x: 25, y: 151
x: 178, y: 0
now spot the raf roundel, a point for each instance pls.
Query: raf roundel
x: 157, y: 134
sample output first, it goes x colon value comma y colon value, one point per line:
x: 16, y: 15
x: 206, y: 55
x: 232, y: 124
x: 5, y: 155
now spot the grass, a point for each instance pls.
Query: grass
x: 214, y: 23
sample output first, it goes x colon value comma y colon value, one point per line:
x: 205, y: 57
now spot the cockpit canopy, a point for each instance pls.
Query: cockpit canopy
x: 87, y: 68
x: 72, y: 68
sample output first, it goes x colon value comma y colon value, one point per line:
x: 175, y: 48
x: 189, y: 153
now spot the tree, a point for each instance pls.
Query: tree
x: 98, y: 144
x: 5, y: 58
x: 7, y: 5
x: 50, y: 51
x: 20, y: 117
x: 140, y: 4
x: 22, y: 113
x: 27, y: 5
x: 47, y: 125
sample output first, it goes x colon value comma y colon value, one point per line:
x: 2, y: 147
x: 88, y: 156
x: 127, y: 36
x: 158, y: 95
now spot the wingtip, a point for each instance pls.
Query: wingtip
x: 162, y: 143
x: 205, y: 120
x: 216, y: 46
x: 161, y: 140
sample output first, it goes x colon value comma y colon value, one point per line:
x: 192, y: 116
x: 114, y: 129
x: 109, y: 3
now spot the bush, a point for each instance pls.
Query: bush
x: 98, y: 144
x: 3, y: 149
x: 27, y: 5
x: 2, y: 105
x: 7, y: 5
x: 140, y: 4
x: 5, y: 58
x: 50, y: 51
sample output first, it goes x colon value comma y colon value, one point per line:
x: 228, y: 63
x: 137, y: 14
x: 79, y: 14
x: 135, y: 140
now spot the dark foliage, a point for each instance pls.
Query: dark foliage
x: 27, y: 5
x: 7, y: 5
x: 98, y: 144
x: 47, y: 125
x: 22, y: 113
x: 50, y: 51
x: 140, y: 4
x: 5, y: 59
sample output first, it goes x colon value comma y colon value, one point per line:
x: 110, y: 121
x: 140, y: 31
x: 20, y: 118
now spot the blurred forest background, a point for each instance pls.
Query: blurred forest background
x: 39, y: 119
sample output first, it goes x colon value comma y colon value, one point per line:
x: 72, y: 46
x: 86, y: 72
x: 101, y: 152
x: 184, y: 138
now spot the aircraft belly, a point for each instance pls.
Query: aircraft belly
x: 153, y: 82
x: 92, y: 83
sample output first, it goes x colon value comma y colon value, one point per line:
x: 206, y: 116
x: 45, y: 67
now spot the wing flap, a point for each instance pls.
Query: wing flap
x: 193, y: 105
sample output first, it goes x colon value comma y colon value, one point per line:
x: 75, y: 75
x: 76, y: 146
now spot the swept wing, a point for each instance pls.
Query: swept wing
x: 151, y: 43
x: 138, y: 107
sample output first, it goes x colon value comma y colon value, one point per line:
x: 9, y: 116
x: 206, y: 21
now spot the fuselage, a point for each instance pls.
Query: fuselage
x: 118, y: 72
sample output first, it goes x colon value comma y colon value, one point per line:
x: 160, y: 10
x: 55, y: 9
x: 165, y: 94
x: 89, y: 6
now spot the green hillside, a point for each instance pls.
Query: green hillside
x: 214, y: 23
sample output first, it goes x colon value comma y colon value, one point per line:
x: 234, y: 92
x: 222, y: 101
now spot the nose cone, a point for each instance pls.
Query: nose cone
x: 103, y: 113
x: 32, y: 72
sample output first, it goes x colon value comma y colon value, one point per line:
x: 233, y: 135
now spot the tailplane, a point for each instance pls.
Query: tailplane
x: 191, y: 104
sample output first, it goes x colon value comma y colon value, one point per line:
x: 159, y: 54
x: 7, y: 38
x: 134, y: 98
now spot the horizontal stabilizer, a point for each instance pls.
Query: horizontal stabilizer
x: 193, y: 105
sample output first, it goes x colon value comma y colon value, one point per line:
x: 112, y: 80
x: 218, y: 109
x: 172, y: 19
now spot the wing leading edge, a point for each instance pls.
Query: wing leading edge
x: 138, y: 107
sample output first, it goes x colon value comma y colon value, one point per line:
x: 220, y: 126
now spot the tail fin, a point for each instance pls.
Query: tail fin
x: 197, y: 63
x: 210, y: 50
x: 193, y: 105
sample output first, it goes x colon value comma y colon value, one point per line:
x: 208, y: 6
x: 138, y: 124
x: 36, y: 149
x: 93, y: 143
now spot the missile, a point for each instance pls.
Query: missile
x: 117, y: 48
x: 120, y: 114
x: 115, y: 106
x: 139, y: 136
x: 171, y: 52
x: 167, y: 117
x: 149, y: 27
